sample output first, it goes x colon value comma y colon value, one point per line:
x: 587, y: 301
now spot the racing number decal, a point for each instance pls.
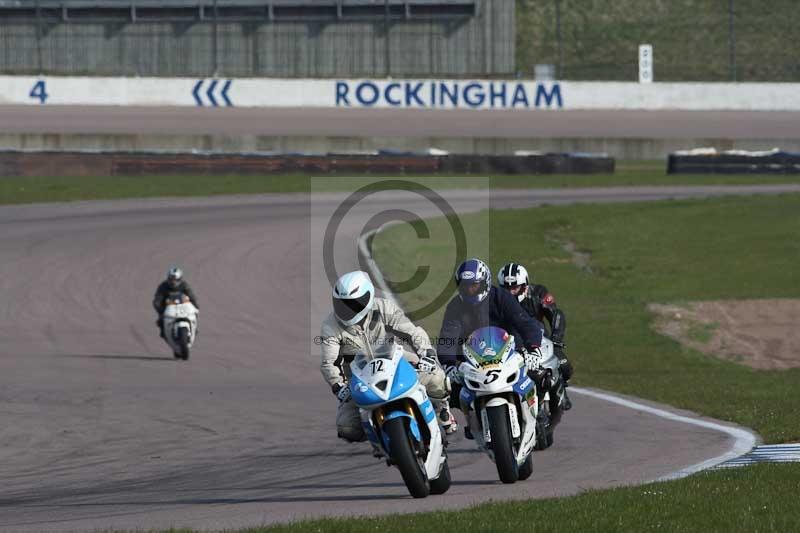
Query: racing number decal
x: 39, y: 91
x: 491, y: 376
x: 377, y: 365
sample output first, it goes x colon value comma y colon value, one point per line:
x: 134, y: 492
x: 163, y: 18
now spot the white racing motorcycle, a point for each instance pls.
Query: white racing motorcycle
x: 180, y: 325
x: 547, y: 373
x: 400, y: 420
x: 500, y: 402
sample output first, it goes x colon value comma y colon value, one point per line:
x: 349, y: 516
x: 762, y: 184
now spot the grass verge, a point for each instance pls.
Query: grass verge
x: 761, y: 498
x: 21, y: 190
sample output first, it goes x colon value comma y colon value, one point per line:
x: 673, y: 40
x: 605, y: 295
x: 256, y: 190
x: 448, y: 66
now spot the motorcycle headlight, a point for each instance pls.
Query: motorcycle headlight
x: 474, y: 384
x: 513, y: 377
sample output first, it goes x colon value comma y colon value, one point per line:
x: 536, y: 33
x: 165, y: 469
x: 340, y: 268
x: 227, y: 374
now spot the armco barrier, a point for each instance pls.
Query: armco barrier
x: 733, y: 162
x: 13, y: 163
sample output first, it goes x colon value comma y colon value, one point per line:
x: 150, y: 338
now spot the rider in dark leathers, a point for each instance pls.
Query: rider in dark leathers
x: 173, y: 285
x: 541, y: 304
x: 478, y: 305
x: 499, y: 309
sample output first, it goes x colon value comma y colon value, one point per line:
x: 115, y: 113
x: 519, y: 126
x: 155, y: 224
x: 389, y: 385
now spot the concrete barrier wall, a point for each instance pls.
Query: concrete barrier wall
x: 416, y: 94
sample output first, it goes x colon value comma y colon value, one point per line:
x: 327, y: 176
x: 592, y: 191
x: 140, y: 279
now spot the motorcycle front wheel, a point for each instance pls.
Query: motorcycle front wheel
x: 502, y: 444
x: 405, y: 458
x: 183, y: 343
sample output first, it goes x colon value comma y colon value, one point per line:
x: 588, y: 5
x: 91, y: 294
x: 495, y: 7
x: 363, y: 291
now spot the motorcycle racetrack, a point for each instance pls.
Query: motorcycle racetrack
x: 102, y: 428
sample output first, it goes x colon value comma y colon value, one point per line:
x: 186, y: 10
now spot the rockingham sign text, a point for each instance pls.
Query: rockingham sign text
x: 451, y: 94
x: 397, y: 94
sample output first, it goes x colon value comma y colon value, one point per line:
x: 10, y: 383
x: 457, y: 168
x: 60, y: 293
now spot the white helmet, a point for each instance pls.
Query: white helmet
x: 353, y: 297
x: 512, y: 275
x: 174, y: 276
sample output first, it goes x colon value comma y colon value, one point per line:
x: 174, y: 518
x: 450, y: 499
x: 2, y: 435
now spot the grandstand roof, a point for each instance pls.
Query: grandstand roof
x: 271, y: 10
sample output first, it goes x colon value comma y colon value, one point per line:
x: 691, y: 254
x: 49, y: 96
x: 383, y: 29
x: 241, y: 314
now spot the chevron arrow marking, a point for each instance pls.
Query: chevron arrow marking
x: 210, y: 93
x: 225, y: 93
x: 195, y: 93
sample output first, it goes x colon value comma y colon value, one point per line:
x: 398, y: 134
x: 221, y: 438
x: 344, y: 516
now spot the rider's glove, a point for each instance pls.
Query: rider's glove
x: 451, y: 371
x: 428, y: 361
x: 341, y: 391
x: 532, y: 357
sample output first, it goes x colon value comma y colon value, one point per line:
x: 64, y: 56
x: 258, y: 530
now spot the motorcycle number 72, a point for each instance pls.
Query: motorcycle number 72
x: 377, y: 365
x: 491, y: 376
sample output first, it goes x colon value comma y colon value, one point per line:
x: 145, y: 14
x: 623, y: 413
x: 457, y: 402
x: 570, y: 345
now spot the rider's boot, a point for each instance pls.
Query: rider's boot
x: 376, y: 450
x: 468, y: 433
x: 567, y: 403
x: 351, y: 434
x: 447, y: 420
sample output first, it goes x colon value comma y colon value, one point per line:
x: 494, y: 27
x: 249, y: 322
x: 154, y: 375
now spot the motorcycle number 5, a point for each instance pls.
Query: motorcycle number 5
x: 491, y: 377
x: 377, y: 365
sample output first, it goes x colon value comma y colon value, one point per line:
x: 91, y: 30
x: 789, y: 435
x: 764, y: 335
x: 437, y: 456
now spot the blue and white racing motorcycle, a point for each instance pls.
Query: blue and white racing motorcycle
x: 500, y: 402
x: 400, y: 420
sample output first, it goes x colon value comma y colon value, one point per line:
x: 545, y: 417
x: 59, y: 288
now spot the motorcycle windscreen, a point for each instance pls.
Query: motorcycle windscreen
x: 489, y: 345
x: 176, y: 298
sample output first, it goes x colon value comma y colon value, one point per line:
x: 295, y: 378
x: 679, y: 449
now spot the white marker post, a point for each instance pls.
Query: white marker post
x: 645, y: 63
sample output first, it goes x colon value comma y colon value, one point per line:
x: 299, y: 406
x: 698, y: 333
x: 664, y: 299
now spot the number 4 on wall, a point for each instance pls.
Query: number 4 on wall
x: 39, y: 91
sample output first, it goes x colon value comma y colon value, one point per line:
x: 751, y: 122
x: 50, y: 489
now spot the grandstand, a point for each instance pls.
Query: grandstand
x: 237, y: 10
x: 274, y: 38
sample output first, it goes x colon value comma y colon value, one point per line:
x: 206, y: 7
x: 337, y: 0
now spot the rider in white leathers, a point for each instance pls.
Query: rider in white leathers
x: 362, y: 323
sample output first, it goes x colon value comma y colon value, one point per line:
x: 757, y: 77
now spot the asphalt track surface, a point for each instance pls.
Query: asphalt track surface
x: 400, y: 123
x: 101, y: 428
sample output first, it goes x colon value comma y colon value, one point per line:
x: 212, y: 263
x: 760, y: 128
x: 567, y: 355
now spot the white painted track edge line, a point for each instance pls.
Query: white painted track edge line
x: 374, y: 271
x: 744, y: 440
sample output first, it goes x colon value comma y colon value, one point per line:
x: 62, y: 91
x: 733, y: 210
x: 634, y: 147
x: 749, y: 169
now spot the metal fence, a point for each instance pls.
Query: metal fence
x: 693, y: 40
x: 271, y: 38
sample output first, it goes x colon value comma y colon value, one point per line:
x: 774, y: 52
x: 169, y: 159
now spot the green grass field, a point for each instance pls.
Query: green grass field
x: 21, y: 190
x: 640, y: 253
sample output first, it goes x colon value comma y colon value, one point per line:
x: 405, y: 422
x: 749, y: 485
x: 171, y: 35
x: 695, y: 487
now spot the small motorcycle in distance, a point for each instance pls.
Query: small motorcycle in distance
x: 180, y: 325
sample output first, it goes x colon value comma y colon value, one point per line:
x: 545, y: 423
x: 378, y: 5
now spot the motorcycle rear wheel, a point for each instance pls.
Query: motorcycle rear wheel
x: 544, y: 428
x: 441, y: 484
x: 526, y: 469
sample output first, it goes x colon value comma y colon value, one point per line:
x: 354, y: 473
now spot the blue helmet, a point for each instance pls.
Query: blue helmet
x: 473, y: 279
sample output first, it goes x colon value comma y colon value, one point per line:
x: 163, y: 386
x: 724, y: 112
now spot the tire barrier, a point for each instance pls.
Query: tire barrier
x: 710, y: 161
x: 19, y: 163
